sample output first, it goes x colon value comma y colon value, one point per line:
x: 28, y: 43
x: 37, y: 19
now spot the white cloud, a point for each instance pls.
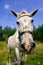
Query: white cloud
x: 6, y: 6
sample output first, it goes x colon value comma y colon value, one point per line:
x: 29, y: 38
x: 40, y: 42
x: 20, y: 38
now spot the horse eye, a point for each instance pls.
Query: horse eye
x: 18, y: 23
x: 32, y: 20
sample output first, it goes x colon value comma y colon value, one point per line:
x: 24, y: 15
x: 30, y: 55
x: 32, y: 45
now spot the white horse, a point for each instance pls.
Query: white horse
x: 22, y: 39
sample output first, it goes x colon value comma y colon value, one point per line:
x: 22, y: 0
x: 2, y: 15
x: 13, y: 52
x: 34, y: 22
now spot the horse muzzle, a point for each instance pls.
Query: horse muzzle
x: 28, y: 51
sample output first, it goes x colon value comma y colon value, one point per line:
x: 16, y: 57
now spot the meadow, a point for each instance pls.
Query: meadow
x: 36, y: 58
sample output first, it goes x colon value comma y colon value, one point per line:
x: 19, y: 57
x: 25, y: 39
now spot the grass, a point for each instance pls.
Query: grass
x: 3, y: 53
x: 36, y: 58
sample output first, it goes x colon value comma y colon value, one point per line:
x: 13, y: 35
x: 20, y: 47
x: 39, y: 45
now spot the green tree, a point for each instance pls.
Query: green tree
x: 7, y: 31
x: 39, y: 33
x: 1, y: 34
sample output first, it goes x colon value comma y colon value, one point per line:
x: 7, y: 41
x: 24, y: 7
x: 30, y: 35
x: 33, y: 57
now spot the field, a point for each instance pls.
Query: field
x: 36, y: 58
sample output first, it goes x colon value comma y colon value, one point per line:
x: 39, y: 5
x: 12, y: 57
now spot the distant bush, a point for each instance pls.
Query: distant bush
x: 6, y: 32
x: 39, y: 33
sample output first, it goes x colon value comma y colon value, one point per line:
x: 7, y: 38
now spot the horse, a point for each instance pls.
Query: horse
x: 23, y: 38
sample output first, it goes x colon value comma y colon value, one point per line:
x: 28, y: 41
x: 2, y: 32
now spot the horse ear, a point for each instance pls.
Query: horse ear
x: 33, y: 12
x: 14, y: 13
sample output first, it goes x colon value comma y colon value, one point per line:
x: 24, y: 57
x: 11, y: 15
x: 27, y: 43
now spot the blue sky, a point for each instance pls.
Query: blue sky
x: 8, y: 19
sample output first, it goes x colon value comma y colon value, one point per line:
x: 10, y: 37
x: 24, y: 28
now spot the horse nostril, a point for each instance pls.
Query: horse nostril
x: 22, y: 46
x: 33, y: 44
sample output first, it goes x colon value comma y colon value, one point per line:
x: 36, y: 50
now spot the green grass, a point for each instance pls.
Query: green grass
x: 36, y: 58
x: 3, y: 53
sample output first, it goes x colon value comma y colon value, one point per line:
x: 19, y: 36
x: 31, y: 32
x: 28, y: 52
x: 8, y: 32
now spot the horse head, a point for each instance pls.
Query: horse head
x: 25, y: 25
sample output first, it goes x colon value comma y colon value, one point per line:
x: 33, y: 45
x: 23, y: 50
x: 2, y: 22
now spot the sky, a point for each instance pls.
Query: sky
x: 8, y: 19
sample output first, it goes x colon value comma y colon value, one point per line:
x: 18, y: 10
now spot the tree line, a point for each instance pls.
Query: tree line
x: 38, y: 33
x: 8, y: 31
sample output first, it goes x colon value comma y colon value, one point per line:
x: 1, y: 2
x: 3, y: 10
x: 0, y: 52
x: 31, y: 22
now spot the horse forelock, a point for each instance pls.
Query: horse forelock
x: 23, y: 13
